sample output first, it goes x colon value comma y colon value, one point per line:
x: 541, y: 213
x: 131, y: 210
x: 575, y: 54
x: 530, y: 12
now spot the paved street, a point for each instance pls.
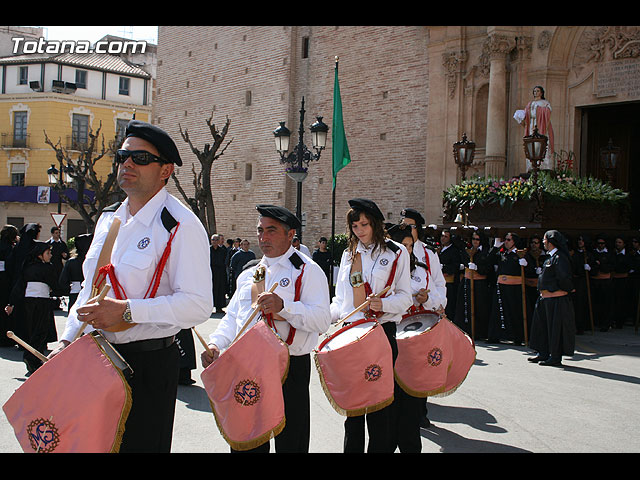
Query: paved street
x: 505, y: 405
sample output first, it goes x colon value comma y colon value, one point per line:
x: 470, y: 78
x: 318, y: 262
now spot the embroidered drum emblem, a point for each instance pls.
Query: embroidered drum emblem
x: 384, y: 261
x: 43, y: 435
x: 284, y: 282
x: 435, y: 357
x: 372, y: 373
x: 247, y: 392
x: 144, y: 243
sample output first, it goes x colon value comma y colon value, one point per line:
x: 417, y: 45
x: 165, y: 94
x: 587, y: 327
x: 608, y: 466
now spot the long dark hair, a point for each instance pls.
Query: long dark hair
x: 379, y: 232
x: 541, y: 91
x: 399, y: 233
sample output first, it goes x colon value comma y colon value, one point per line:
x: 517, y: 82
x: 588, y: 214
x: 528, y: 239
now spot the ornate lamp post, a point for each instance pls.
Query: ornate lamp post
x: 463, y: 152
x: 57, y: 182
x: 609, y: 157
x: 535, y: 148
x: 298, y: 160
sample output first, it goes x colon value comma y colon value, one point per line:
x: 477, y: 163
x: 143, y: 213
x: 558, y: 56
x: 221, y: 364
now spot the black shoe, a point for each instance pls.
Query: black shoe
x: 551, y: 363
x: 536, y: 359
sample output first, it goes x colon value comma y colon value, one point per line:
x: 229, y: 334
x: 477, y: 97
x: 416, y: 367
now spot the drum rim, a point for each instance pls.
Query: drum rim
x: 346, y: 327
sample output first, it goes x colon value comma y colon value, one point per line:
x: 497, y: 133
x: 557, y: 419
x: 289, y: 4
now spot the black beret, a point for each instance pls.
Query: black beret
x: 414, y: 214
x: 366, y: 205
x: 279, y: 213
x: 157, y: 137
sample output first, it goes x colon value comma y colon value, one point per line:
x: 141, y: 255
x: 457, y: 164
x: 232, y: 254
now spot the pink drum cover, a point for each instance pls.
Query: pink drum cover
x: 77, y: 402
x: 435, y: 362
x: 244, y: 386
x: 358, y: 377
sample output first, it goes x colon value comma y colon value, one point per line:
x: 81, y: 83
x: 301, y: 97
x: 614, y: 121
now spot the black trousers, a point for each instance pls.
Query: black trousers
x: 379, y: 424
x: 154, y: 388
x: 294, y: 437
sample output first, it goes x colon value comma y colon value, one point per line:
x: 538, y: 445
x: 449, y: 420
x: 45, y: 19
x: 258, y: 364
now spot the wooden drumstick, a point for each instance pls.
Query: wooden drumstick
x: 32, y: 350
x: 204, y: 344
x: 103, y: 293
x: 365, y: 303
x: 253, y: 314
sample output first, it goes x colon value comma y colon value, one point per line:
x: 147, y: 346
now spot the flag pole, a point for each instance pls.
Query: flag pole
x: 333, y: 204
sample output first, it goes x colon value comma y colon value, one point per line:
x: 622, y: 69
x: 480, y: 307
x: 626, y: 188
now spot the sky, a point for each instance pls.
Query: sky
x: 95, y: 33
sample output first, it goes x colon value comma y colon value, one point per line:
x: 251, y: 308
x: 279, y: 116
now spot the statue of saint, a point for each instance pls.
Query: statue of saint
x: 538, y: 113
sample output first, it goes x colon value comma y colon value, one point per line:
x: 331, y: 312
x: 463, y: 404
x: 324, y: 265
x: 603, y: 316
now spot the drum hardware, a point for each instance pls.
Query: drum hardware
x: 358, y: 309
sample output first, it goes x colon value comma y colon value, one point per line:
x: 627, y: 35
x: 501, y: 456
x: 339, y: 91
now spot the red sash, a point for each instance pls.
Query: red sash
x: 269, y: 317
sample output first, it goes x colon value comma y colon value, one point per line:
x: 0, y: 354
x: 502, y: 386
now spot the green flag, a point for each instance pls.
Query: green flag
x: 340, y: 149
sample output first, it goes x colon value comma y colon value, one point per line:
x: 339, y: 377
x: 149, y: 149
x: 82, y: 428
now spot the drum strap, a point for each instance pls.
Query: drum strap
x: 360, y: 293
x: 258, y: 287
x: 108, y: 270
x: 428, y: 262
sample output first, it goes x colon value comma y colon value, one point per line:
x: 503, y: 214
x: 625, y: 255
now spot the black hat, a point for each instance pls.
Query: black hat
x: 366, y: 205
x: 83, y: 242
x: 157, y: 137
x: 414, y: 214
x: 279, y: 213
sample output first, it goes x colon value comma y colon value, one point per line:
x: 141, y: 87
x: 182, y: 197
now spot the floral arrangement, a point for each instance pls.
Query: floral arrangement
x: 560, y: 184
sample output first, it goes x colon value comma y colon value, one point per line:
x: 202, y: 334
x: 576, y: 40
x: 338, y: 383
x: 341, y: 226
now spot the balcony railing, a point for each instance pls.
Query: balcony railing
x: 9, y: 140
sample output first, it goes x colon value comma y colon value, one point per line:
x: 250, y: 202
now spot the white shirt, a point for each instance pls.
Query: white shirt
x: 437, y: 283
x: 437, y: 286
x: 376, y: 266
x: 309, y: 316
x: 304, y: 249
x: 183, y: 299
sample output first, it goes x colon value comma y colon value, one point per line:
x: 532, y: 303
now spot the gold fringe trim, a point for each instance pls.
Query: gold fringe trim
x: 264, y: 438
x: 353, y: 412
x: 124, y: 414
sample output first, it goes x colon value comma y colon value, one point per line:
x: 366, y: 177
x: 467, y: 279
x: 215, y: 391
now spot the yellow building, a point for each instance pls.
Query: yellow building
x: 66, y: 95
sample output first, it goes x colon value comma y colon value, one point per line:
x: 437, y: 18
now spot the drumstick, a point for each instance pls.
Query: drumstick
x: 204, y: 344
x: 103, y: 293
x: 17, y: 339
x: 365, y: 303
x: 253, y: 314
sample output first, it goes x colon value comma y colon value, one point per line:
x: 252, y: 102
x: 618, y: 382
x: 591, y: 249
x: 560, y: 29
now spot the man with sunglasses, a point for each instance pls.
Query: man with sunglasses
x: 160, y: 283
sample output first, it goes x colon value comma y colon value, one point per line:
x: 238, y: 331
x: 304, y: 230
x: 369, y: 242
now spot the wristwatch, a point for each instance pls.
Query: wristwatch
x: 126, y: 315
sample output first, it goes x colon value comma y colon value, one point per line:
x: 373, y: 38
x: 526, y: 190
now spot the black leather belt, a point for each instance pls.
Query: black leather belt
x: 144, y: 345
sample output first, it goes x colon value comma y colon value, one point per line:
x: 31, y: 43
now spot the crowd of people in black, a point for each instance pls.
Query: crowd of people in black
x: 604, y: 274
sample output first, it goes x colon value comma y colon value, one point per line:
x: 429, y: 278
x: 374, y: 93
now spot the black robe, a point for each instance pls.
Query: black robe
x: 506, y: 321
x: 601, y: 290
x: 482, y: 300
x: 219, y: 276
x: 580, y: 295
x: 553, y: 329
x: 450, y: 260
x: 37, y: 312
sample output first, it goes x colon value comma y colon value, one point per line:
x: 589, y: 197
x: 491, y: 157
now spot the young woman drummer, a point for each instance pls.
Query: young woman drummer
x: 370, y: 263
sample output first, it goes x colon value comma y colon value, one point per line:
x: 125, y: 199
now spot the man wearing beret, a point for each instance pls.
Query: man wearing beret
x: 160, y: 283
x: 299, y: 315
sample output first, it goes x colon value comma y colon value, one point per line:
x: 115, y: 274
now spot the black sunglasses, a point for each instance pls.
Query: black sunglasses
x: 139, y: 157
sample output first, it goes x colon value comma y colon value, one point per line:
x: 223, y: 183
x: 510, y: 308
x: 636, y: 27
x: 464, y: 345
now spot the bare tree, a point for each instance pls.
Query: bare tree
x: 85, y: 179
x: 202, y: 201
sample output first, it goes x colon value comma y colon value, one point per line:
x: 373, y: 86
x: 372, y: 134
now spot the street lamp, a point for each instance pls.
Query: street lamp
x: 298, y: 160
x: 609, y: 157
x: 463, y: 152
x: 56, y: 180
x: 535, y: 149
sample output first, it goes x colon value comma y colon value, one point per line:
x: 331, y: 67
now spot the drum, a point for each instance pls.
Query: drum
x: 434, y: 356
x: 244, y: 386
x: 76, y: 402
x: 355, y: 366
